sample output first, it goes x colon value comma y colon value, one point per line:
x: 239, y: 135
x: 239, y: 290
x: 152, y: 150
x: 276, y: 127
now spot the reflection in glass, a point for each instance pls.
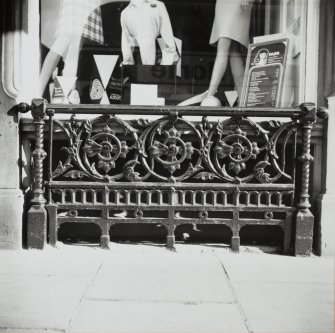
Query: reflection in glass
x: 88, y: 39
x: 77, y: 18
x: 228, y: 36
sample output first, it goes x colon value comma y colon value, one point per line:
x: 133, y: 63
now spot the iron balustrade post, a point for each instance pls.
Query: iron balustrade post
x: 235, y: 240
x: 171, y: 227
x: 52, y: 223
x: 50, y: 113
x: 305, y: 219
x: 287, y: 233
x: 37, y: 217
x: 104, y: 238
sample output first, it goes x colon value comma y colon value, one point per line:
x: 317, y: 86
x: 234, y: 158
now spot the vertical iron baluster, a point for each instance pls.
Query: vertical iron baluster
x: 37, y: 218
x: 305, y: 219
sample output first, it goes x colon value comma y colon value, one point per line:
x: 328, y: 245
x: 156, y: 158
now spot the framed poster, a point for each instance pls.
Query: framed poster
x: 264, y: 72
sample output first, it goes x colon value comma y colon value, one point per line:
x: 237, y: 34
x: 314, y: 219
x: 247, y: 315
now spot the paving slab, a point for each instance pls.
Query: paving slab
x: 164, y: 276
x: 156, y: 317
x: 287, y: 307
x: 146, y: 288
x: 277, y: 268
x: 39, y: 302
x: 62, y: 261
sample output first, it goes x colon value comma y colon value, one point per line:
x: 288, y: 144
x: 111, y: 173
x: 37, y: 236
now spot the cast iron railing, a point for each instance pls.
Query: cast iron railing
x: 172, y: 171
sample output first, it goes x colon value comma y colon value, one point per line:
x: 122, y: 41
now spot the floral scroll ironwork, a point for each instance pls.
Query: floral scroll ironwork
x: 172, y: 149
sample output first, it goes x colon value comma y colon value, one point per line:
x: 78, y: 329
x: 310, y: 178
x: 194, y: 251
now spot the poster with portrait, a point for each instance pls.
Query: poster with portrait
x: 264, y: 72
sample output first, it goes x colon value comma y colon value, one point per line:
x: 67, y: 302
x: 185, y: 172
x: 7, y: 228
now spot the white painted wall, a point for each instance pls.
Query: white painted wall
x: 328, y: 199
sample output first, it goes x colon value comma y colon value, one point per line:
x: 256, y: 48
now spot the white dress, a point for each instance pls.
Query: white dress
x: 231, y: 21
x: 142, y: 21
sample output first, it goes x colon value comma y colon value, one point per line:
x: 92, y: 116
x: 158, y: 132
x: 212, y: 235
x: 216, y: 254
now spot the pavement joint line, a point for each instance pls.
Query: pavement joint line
x: 239, y: 306
x: 83, y: 296
x: 134, y: 300
x: 31, y: 329
x: 299, y: 283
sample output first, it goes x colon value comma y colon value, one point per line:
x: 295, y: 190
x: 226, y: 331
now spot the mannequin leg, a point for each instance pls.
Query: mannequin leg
x: 220, y: 65
x: 237, y: 67
x: 57, y: 50
x: 72, y: 56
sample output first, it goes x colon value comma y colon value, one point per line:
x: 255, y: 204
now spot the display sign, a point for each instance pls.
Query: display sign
x: 161, y: 78
x: 106, y: 85
x: 263, y: 79
x: 62, y: 90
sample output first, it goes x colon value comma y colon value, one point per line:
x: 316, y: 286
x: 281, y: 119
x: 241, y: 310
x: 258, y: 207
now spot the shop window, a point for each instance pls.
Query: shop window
x: 172, y: 52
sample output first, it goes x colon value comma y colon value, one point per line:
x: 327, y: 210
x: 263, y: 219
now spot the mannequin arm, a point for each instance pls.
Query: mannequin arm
x: 127, y: 43
x: 167, y: 34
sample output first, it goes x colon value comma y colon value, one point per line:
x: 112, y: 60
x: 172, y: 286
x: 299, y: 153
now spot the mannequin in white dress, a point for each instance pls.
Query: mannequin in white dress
x: 142, y: 21
x: 77, y: 18
x: 230, y: 28
x: 73, y: 16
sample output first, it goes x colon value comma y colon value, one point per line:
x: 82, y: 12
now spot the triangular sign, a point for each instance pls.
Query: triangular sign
x: 231, y: 97
x: 106, y: 65
x: 66, y: 83
x: 104, y: 99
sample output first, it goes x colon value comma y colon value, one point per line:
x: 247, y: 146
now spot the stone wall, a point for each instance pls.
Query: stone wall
x: 19, y: 82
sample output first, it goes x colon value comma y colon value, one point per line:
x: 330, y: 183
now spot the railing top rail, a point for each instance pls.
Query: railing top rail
x: 168, y: 109
x: 177, y: 186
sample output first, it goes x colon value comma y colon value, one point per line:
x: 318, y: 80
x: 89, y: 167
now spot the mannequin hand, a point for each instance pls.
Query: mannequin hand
x: 246, y: 3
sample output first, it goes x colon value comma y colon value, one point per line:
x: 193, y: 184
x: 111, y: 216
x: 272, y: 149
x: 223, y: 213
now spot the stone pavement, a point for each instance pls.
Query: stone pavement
x: 144, y: 288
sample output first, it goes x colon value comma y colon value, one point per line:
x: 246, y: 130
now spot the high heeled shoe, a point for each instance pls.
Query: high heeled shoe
x: 194, y: 100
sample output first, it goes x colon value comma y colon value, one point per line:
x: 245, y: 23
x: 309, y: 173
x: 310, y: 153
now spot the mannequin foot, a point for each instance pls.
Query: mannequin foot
x: 211, y: 101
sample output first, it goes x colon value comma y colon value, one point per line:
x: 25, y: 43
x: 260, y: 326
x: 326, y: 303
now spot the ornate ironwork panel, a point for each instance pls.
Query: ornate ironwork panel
x: 171, y: 171
x: 172, y: 149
